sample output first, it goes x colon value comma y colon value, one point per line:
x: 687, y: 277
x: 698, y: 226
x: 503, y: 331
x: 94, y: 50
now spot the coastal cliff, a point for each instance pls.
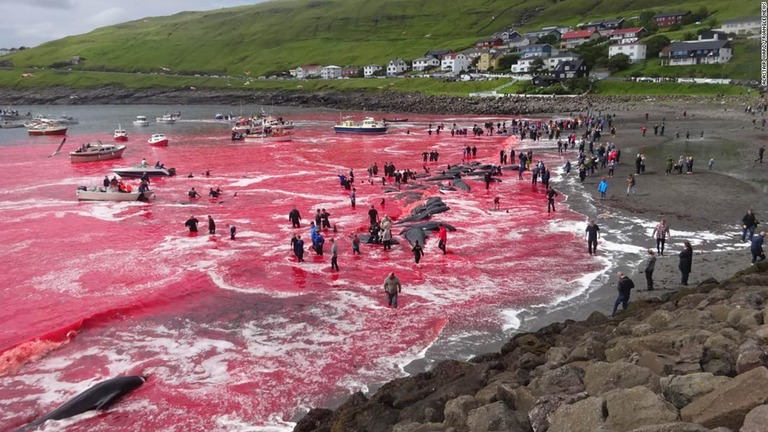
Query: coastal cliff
x: 694, y: 360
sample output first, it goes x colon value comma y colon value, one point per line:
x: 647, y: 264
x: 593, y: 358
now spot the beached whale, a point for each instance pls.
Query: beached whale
x: 459, y: 184
x: 98, y: 397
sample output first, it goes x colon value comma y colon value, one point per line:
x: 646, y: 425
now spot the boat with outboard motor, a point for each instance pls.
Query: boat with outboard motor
x: 368, y: 126
x: 137, y: 171
x: 141, y: 121
x: 98, y: 193
x: 96, y: 151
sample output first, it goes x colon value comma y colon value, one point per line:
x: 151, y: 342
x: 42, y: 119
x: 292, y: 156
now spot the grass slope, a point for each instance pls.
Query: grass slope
x: 283, y: 34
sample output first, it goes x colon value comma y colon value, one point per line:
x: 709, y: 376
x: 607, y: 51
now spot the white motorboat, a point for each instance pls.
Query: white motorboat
x: 96, y: 151
x: 158, y: 140
x: 10, y: 124
x: 67, y: 120
x: 141, y: 121
x: 166, y: 119
x: 137, y: 171
x: 368, y: 126
x: 110, y: 194
x: 39, y: 127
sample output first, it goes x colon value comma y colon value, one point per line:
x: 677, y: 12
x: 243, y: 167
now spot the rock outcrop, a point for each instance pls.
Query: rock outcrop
x: 694, y: 361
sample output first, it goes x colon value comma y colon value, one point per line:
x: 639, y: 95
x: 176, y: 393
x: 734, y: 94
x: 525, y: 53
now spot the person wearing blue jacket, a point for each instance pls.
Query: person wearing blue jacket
x: 602, y: 188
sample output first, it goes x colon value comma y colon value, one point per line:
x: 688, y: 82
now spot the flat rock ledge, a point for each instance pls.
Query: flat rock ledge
x: 382, y: 101
x: 693, y: 361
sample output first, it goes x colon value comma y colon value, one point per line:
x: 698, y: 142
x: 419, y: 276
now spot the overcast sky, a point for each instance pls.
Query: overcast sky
x: 32, y: 22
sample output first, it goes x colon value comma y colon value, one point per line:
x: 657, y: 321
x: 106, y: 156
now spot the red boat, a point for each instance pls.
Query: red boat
x: 120, y: 134
x: 158, y: 140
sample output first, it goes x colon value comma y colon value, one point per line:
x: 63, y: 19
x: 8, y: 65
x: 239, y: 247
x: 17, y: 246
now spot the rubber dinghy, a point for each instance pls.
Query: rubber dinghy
x: 98, y: 397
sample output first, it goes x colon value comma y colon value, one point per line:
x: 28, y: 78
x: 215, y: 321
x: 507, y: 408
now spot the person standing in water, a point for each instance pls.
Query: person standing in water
x: 211, y: 225
x: 295, y: 217
x: 232, y: 231
x: 392, y: 287
x: 442, y: 235
x: 191, y: 223
x: 418, y: 251
x: 592, y: 234
x: 334, y: 255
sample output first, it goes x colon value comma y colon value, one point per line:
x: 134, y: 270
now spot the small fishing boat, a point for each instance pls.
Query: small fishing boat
x: 395, y: 120
x: 96, y: 151
x: 368, y: 126
x: 138, y: 171
x: 268, y: 134
x: 158, y: 140
x: 10, y: 124
x: 97, y: 193
x: 166, y: 119
x: 120, y: 134
x: 45, y: 127
x: 141, y: 121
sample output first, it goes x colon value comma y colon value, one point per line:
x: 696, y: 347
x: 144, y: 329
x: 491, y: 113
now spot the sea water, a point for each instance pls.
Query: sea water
x: 235, y: 334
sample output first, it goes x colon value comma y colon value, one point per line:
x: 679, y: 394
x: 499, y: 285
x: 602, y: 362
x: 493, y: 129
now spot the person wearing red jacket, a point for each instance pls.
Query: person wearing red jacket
x: 442, y: 236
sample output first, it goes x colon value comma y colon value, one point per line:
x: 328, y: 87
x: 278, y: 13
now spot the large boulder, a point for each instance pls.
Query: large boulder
x: 601, y: 377
x: 494, y: 417
x: 590, y: 349
x: 751, y: 358
x: 728, y: 404
x: 539, y: 416
x: 587, y: 415
x: 673, y: 427
x: 756, y: 420
x: 680, y: 390
x: 456, y: 410
x: 565, y: 379
x: 516, y: 396
x: 629, y: 409
x: 745, y: 319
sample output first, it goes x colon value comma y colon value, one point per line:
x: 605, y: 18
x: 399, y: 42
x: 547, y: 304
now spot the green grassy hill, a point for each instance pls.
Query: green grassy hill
x: 283, y: 34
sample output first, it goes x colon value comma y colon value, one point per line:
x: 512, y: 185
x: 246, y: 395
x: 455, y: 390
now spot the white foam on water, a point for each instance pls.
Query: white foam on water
x: 231, y: 423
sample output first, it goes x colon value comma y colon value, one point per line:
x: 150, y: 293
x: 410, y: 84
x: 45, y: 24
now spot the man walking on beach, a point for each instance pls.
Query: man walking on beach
x: 660, y: 233
x: 748, y: 225
x: 760, y: 154
x: 650, y: 265
x: 592, y: 234
x: 624, y: 287
x: 392, y: 287
x: 757, y: 247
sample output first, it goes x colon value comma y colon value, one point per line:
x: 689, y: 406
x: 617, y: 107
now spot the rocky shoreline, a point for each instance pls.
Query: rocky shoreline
x: 382, y: 101
x: 691, y: 361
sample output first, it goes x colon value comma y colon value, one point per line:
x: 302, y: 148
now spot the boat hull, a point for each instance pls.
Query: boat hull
x: 98, y: 195
x: 49, y: 131
x: 141, y: 123
x: 97, y: 156
x: 137, y: 172
x: 360, y: 130
x: 396, y: 120
x: 121, y: 138
x: 159, y: 143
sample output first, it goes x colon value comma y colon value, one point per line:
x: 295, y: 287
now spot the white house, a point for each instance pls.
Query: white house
x: 627, y: 35
x: 308, y: 71
x: 330, y: 72
x: 455, y: 62
x: 635, y: 51
x: 696, y: 52
x: 748, y: 25
x: 396, y: 66
x: 424, y: 63
x: 371, y: 69
x: 550, y: 63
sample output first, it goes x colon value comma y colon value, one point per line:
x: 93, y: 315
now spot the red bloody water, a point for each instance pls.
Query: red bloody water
x: 237, y: 334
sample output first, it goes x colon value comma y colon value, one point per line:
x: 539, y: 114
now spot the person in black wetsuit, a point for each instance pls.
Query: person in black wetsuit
x: 418, y: 252
x: 294, y: 216
x: 211, y: 225
x: 373, y: 215
x: 191, y: 223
